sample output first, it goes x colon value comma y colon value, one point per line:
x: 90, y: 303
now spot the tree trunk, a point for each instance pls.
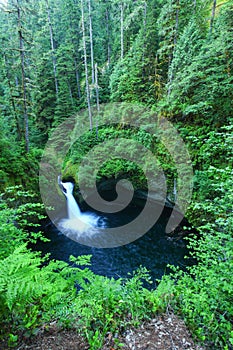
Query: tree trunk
x: 122, y: 30
x: 177, y: 24
x: 52, y: 49
x: 144, y: 36
x: 97, y: 88
x: 108, y: 37
x: 212, y: 15
x: 23, y: 76
x: 77, y: 77
x: 86, y: 68
x: 171, y: 73
x: 12, y: 100
x: 91, y: 44
x: 70, y: 91
x: 97, y: 98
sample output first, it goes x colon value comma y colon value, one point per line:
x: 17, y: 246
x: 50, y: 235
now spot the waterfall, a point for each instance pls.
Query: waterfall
x: 175, y: 191
x: 72, y: 206
x: 77, y: 225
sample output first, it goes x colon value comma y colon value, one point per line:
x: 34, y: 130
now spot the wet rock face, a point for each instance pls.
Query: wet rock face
x: 107, y: 189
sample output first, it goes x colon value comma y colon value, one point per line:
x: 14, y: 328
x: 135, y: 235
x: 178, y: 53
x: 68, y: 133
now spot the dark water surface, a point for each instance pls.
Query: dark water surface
x: 153, y: 250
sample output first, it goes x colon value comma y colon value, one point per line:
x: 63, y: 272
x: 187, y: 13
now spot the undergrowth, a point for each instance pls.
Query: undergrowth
x: 35, y: 291
x: 203, y: 295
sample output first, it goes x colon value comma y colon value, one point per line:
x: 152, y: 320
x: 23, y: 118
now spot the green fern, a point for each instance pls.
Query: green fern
x: 29, y: 292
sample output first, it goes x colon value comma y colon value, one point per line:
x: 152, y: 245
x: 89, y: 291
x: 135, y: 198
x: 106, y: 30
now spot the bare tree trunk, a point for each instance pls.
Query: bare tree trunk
x: 122, y: 30
x: 19, y: 132
x: 91, y: 44
x: 97, y: 88
x: 144, y: 34
x: 171, y: 75
x: 108, y: 36
x: 52, y: 49
x: 70, y: 91
x: 23, y: 76
x: 212, y: 15
x: 177, y: 24
x: 97, y: 98
x: 77, y: 77
x: 86, y: 68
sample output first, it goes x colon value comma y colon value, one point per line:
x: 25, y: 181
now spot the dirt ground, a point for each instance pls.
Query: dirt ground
x: 166, y: 332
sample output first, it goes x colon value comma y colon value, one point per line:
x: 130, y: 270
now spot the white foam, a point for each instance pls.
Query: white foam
x: 78, y: 224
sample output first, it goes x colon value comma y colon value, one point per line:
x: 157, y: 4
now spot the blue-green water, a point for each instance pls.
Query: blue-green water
x: 153, y: 250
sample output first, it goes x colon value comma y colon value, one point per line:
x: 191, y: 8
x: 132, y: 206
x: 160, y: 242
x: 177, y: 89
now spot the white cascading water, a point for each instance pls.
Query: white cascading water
x: 77, y: 224
x: 72, y: 207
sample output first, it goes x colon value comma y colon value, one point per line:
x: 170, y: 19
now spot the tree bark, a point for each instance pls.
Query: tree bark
x: 77, y: 77
x: 52, y: 49
x: 86, y: 68
x: 70, y: 91
x: 144, y: 36
x: 12, y: 100
x: 91, y: 44
x: 97, y: 98
x: 23, y: 76
x: 108, y: 37
x: 97, y: 88
x: 212, y: 16
x: 171, y: 75
x: 177, y: 24
x: 122, y: 30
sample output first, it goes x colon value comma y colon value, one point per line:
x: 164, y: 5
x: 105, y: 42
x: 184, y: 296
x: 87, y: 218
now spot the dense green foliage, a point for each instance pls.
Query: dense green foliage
x: 36, y: 291
x: 175, y: 57
x: 204, y: 295
x: 116, y: 168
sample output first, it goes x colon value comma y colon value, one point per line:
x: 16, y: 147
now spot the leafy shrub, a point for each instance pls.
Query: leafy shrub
x: 34, y: 291
x: 32, y: 294
x: 108, y: 305
x: 20, y: 212
x: 204, y: 294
